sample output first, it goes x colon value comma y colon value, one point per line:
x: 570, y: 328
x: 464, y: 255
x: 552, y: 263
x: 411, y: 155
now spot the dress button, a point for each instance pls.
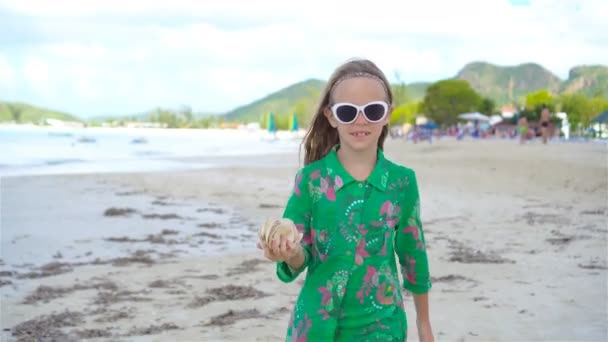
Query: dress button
x: 360, y: 185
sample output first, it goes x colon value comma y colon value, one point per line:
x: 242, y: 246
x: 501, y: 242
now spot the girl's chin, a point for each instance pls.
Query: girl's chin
x: 359, y: 145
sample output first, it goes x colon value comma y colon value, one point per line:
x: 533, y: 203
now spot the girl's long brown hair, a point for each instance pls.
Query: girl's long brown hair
x: 321, y: 136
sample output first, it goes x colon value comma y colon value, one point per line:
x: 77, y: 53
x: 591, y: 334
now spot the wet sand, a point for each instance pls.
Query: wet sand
x: 517, y: 240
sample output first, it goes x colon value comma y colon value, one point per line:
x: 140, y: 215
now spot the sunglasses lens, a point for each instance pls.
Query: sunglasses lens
x: 346, y: 113
x: 374, y: 112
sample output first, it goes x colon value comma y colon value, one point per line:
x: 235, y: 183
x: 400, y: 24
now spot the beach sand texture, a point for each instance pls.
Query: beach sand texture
x: 517, y: 241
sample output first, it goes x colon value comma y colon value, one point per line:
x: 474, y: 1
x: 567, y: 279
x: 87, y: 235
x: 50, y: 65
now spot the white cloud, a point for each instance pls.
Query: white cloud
x: 77, y: 51
x: 36, y: 72
x: 119, y: 57
x: 7, y: 73
x: 86, y: 82
x: 93, y: 53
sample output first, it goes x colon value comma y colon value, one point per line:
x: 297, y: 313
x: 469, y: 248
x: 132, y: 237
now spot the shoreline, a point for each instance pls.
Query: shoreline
x: 284, y: 153
x: 51, y: 151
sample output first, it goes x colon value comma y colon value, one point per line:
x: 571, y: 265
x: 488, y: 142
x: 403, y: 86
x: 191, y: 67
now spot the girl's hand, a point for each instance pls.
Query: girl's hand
x: 425, y: 333
x: 280, y: 250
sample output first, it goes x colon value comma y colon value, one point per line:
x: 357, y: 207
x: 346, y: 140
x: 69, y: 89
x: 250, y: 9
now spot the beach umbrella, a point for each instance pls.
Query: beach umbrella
x: 271, y: 125
x: 474, y: 116
x: 294, y: 122
x: 601, y: 118
x: 429, y: 125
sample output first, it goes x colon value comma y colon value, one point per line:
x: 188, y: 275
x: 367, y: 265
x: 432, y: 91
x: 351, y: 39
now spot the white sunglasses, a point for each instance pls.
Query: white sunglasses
x: 347, y: 113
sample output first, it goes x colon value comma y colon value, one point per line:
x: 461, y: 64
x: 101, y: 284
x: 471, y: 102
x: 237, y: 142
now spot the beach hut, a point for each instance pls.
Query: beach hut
x: 600, y: 122
x: 480, y: 122
x: 602, y: 118
x: 475, y: 116
x: 495, y: 119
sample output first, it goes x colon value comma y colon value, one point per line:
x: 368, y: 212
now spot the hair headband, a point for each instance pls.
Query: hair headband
x: 358, y: 74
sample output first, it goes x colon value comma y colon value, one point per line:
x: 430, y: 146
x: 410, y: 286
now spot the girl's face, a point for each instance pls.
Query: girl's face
x: 360, y: 134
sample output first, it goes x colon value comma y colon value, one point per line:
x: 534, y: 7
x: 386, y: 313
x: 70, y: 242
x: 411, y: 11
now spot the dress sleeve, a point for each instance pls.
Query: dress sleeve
x: 409, y: 241
x: 298, y: 209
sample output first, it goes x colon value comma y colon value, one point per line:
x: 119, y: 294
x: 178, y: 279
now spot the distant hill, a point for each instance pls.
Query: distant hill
x: 144, y: 116
x: 30, y: 114
x: 505, y: 84
x: 417, y: 90
x: 125, y: 117
x: 302, y: 98
x: 590, y: 80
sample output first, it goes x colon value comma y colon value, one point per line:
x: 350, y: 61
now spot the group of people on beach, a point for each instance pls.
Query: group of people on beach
x: 479, y: 130
x: 525, y: 133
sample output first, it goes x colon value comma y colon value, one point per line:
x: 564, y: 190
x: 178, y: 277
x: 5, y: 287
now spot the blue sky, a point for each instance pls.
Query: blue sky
x: 120, y: 57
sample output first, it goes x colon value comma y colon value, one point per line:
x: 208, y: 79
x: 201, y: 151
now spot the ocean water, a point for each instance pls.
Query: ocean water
x: 32, y: 150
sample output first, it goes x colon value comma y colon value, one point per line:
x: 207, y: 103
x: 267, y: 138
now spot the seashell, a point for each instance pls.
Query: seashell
x: 276, y: 228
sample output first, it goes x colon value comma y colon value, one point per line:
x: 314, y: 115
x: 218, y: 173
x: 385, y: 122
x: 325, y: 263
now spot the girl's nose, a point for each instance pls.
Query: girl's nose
x: 361, y: 120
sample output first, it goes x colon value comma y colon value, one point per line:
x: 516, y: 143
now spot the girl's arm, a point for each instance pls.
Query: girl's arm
x: 421, y: 302
x: 411, y: 251
x: 298, y: 209
x: 423, y: 321
x: 410, y: 244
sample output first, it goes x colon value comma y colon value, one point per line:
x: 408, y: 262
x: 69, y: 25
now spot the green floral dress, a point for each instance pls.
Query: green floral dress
x: 352, y: 232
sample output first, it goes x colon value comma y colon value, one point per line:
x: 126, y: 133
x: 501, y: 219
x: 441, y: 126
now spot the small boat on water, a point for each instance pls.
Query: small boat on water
x: 60, y: 134
x: 140, y: 140
x: 86, y: 140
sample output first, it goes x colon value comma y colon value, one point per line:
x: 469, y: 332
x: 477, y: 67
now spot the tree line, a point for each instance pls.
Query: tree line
x: 443, y: 102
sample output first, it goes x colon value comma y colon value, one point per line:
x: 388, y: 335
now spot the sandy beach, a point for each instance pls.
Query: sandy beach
x: 517, y: 241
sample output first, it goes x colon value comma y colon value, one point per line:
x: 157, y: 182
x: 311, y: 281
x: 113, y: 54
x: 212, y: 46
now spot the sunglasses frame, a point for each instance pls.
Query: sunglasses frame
x: 360, y: 110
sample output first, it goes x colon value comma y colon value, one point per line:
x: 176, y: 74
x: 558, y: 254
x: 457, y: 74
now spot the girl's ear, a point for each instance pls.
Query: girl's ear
x: 389, y: 113
x: 330, y: 117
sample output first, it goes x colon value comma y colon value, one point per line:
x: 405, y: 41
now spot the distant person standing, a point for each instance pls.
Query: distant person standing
x: 523, y: 129
x: 544, y: 123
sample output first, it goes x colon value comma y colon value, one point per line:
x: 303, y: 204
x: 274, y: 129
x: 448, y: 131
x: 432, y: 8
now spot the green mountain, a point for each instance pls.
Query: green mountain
x: 25, y: 113
x: 301, y: 98
x: 147, y: 116
x: 503, y: 84
x: 590, y: 80
x: 417, y: 90
x: 506, y: 84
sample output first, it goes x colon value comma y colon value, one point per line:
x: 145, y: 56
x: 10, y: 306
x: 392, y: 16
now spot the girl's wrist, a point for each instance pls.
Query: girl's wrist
x: 297, y: 258
x: 297, y: 253
x: 423, y: 321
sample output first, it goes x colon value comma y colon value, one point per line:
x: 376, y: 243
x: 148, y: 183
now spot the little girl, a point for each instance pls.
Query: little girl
x: 356, y: 210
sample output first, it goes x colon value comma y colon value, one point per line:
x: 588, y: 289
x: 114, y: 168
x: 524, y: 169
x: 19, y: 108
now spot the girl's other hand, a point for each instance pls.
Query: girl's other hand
x: 425, y: 332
